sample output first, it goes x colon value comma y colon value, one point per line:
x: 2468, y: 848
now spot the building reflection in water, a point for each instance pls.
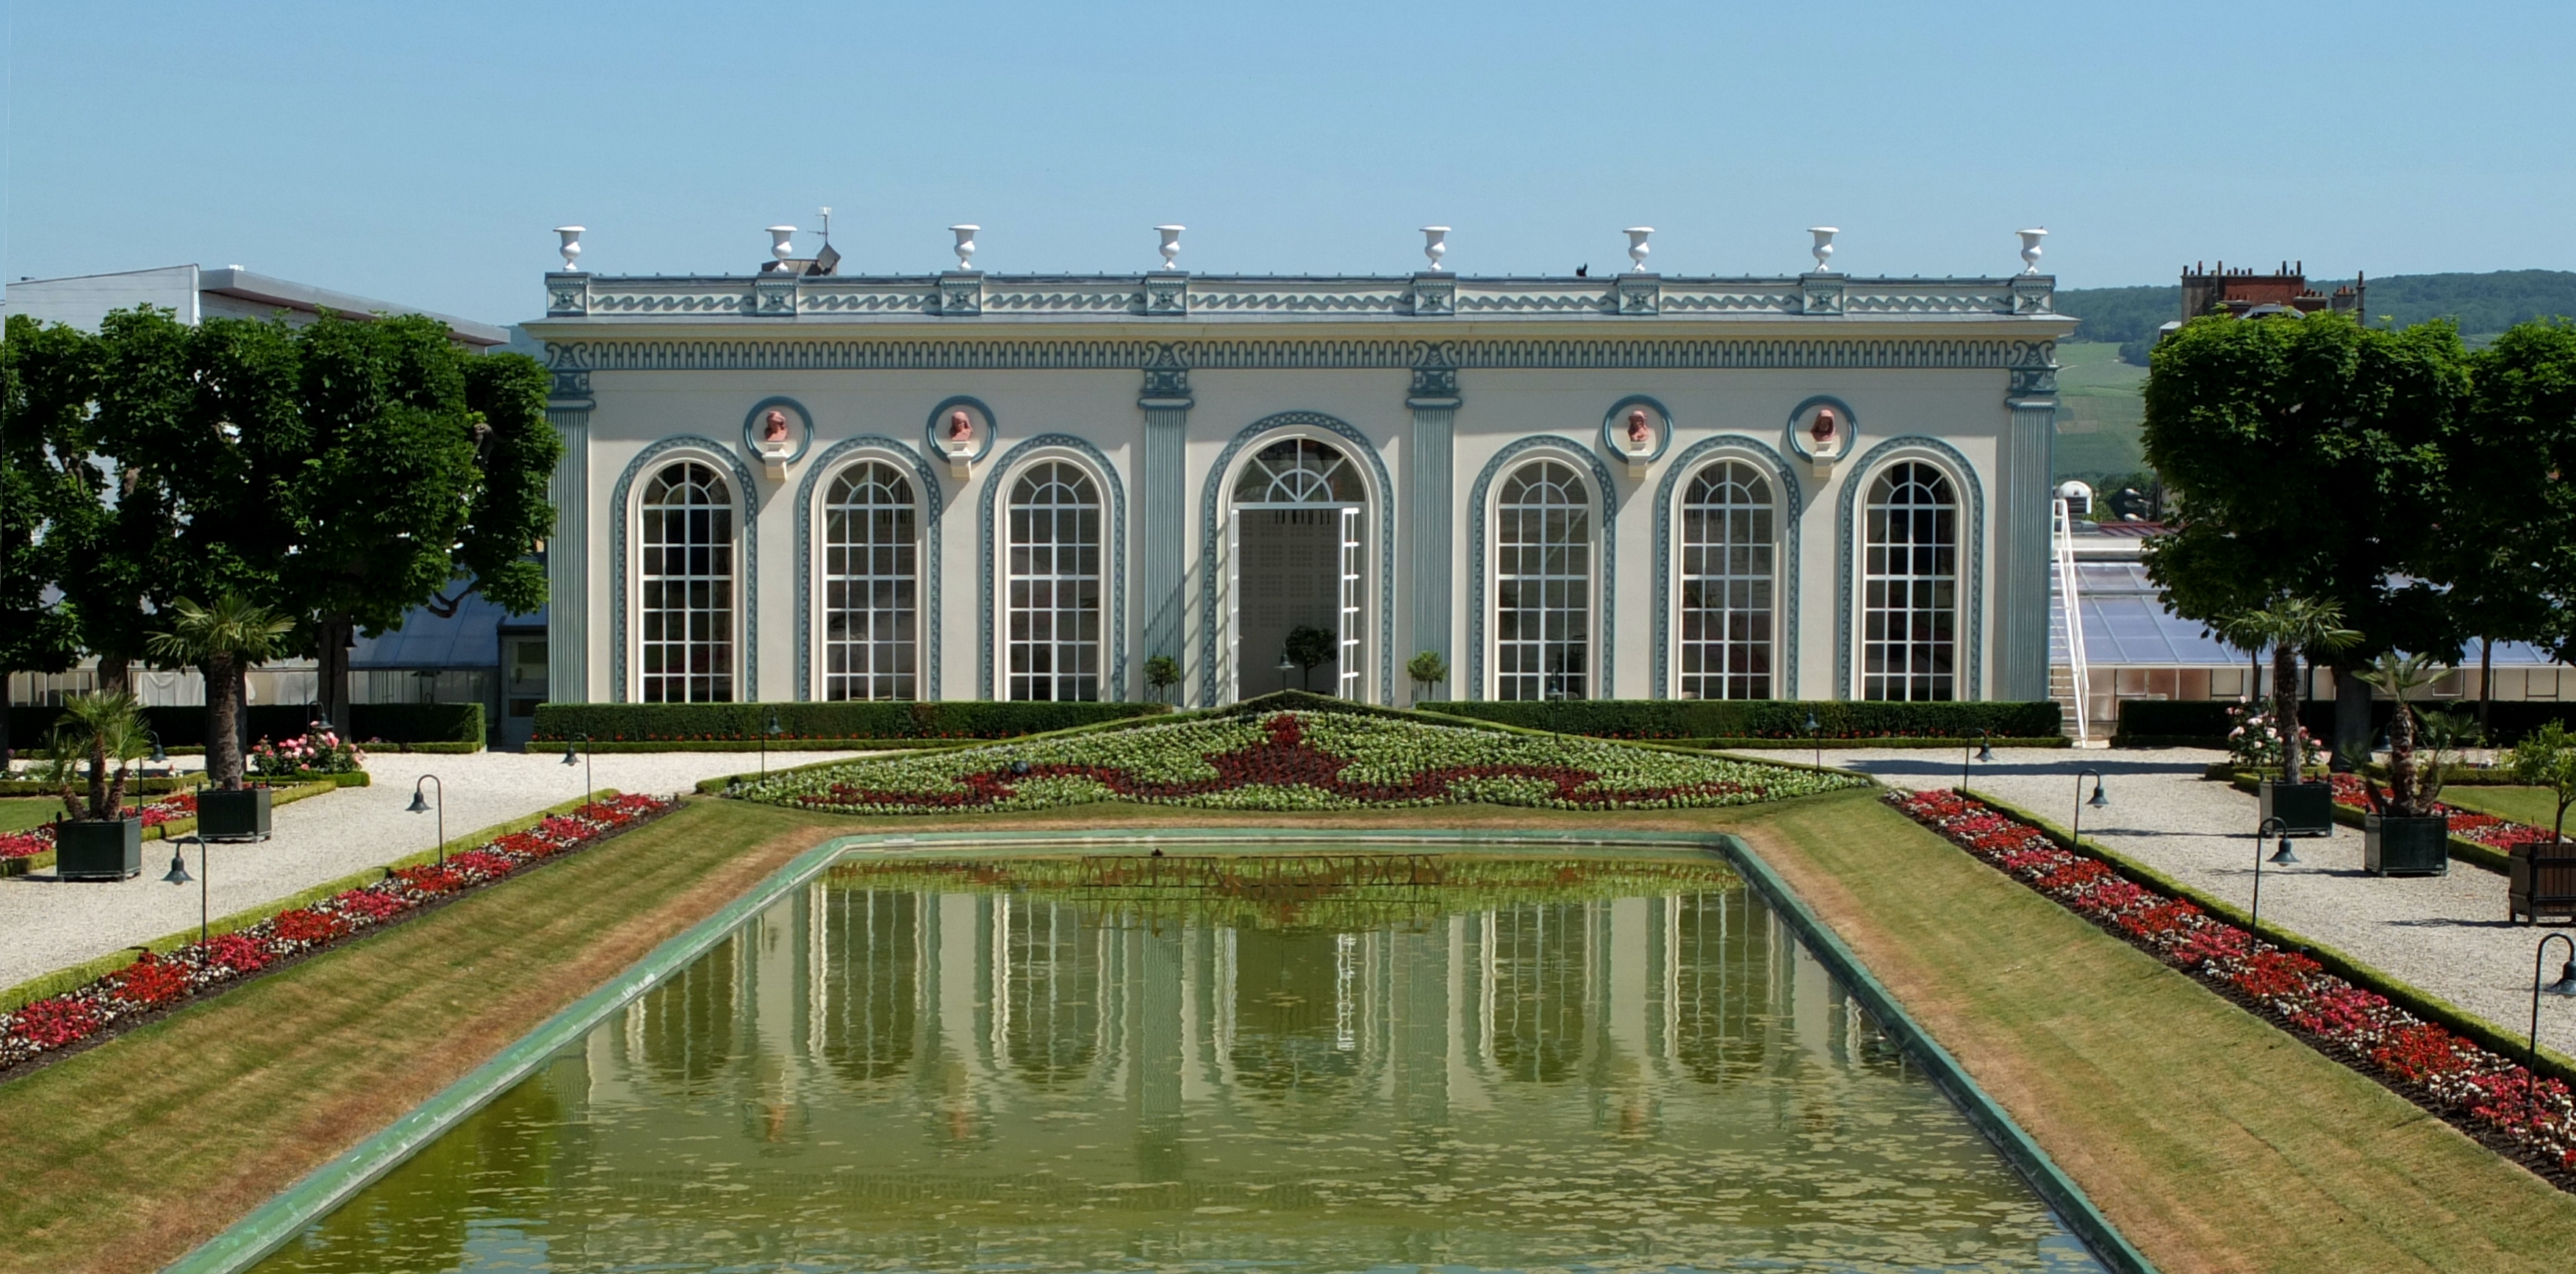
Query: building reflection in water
x: 973, y: 1066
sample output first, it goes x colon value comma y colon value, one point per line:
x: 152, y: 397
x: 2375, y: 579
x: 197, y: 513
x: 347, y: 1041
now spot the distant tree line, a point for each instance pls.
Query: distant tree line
x: 2478, y: 304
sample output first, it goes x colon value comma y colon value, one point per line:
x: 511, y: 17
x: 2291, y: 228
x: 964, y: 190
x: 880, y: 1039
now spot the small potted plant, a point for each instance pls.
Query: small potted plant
x: 1428, y: 670
x: 225, y: 640
x: 2406, y: 829
x: 98, y: 839
x: 1162, y: 672
x: 2292, y: 625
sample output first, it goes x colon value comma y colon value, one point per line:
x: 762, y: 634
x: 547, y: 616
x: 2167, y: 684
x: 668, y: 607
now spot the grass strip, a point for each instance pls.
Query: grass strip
x: 129, y: 1154
x: 88, y: 971
x: 2215, y: 1141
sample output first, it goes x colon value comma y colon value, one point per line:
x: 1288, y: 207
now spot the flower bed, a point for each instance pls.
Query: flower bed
x: 37, y: 840
x: 1293, y: 761
x: 2484, y: 1094
x: 157, y: 980
x: 2468, y: 825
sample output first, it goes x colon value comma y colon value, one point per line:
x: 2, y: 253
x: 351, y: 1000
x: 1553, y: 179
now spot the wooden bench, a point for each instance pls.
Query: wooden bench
x: 2542, y: 882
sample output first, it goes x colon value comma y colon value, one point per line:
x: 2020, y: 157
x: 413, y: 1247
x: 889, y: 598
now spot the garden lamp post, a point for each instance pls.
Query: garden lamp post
x: 1813, y: 726
x: 587, y: 785
x: 1984, y: 753
x: 420, y: 805
x: 766, y: 732
x: 2099, y: 801
x: 178, y: 875
x: 2564, y: 986
x: 160, y: 755
x: 1286, y: 666
x: 2281, y: 857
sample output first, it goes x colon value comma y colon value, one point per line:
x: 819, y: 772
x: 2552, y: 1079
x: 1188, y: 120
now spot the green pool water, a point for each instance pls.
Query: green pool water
x: 1319, y: 1062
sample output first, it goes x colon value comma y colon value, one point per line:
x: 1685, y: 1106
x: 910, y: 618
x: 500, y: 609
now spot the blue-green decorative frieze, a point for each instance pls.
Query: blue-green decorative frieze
x: 750, y: 354
x: 1217, y: 299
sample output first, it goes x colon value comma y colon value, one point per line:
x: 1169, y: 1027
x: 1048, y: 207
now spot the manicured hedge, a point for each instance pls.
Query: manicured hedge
x: 924, y: 719
x: 1762, y: 718
x: 185, y: 726
x: 2206, y: 719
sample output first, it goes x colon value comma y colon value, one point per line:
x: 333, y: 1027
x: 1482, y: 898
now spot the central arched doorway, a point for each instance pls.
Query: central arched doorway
x: 1294, y: 556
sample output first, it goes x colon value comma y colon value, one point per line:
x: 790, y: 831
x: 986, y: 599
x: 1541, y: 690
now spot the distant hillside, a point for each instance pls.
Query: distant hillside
x: 2482, y: 304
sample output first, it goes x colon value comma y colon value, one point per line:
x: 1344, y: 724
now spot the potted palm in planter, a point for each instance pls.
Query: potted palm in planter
x: 2292, y: 625
x: 97, y: 839
x: 2405, y: 831
x: 226, y: 640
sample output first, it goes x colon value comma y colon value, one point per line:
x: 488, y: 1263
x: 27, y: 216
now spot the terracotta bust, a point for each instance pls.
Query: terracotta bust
x: 1823, y: 430
x: 1640, y: 433
x: 961, y: 427
x: 773, y: 427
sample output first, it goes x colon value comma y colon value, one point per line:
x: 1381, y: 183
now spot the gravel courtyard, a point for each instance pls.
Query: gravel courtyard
x: 2446, y: 935
x: 47, y: 924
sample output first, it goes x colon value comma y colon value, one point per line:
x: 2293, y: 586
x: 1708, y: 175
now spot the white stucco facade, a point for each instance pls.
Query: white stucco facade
x: 1436, y: 391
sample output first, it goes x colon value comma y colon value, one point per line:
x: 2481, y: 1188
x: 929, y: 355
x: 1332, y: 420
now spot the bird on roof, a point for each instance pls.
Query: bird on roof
x: 1583, y: 271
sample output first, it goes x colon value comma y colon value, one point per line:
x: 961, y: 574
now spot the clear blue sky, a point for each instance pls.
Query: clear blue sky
x: 420, y: 153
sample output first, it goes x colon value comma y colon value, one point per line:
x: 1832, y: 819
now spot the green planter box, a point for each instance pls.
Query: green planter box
x: 227, y: 815
x: 2305, y: 809
x: 110, y: 849
x: 2410, y: 846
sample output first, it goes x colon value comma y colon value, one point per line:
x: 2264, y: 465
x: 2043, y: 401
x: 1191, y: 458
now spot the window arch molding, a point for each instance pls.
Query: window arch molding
x: 622, y: 537
x: 931, y: 500
x: 1113, y: 616
x: 1790, y: 499
x: 1972, y: 544
x: 1480, y: 529
x: 1340, y: 435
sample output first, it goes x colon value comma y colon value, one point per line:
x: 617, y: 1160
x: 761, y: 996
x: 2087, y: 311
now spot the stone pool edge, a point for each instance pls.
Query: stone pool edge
x: 274, y: 1223
x: 2073, y: 1207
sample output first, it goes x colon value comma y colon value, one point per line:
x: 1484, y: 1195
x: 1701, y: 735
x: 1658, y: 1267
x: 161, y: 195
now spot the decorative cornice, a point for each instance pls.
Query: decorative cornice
x: 1167, y: 382
x: 1795, y: 353
x: 1218, y: 298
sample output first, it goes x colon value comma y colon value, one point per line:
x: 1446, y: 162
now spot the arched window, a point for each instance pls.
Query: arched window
x: 1051, y: 629
x: 687, y: 592
x: 1910, y: 585
x: 1299, y: 471
x: 1726, y: 574
x: 871, y: 575
x: 1543, y: 584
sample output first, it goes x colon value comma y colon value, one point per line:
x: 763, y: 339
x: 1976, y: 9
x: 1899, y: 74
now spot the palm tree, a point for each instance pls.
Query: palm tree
x: 2293, y: 625
x: 226, y: 640
x: 97, y: 728
x: 2411, y: 792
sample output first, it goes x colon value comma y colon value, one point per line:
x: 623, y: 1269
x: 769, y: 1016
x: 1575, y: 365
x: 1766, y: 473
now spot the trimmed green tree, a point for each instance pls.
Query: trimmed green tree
x: 1427, y: 669
x: 2546, y: 757
x: 2511, y: 533
x: 37, y: 634
x: 2306, y: 457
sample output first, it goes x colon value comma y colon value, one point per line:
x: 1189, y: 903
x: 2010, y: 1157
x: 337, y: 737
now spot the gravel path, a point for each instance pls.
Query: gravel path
x: 2445, y: 935
x: 46, y: 924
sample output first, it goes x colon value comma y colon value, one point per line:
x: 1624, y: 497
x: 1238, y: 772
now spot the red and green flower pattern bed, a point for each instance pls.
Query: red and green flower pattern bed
x: 1300, y: 760
x: 2484, y: 1094
x: 160, y: 980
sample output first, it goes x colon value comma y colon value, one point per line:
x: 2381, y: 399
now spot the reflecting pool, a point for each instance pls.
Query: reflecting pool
x: 1303, y: 1062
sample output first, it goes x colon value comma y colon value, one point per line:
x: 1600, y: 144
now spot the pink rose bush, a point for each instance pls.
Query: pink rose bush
x: 155, y: 980
x: 321, y: 752
x: 2483, y: 1093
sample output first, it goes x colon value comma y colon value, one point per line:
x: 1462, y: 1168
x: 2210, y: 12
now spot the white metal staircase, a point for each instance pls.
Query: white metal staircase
x: 2068, y: 683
